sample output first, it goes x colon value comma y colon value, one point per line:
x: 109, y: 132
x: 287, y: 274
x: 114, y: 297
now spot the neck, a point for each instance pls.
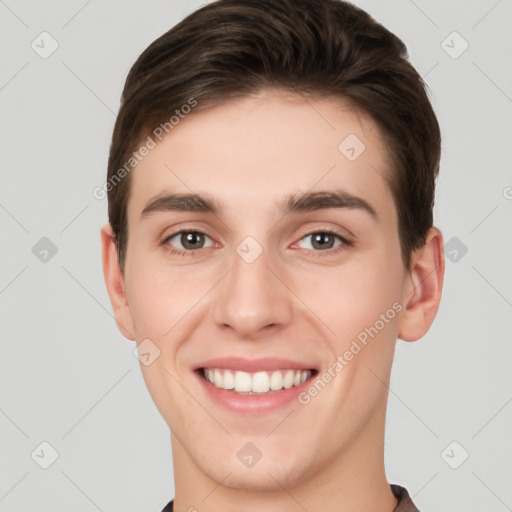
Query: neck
x: 353, y: 481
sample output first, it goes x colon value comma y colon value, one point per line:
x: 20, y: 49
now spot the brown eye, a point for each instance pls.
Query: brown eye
x: 322, y: 241
x: 189, y: 240
x: 192, y: 240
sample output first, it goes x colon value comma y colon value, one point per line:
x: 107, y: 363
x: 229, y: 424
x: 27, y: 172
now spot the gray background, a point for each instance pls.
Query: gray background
x: 70, y: 379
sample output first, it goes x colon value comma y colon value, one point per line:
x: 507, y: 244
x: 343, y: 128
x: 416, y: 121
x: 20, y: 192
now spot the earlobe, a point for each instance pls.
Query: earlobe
x: 114, y: 281
x: 423, y: 288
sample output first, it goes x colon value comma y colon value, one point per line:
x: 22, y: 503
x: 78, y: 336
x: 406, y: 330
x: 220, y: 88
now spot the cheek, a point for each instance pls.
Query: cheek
x: 160, y: 297
x: 351, y: 297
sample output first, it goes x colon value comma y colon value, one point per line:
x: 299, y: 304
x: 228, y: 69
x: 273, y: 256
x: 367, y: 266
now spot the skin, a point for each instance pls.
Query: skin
x: 294, y: 301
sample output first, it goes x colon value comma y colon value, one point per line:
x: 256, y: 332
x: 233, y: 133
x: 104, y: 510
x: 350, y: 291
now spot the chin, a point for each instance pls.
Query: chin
x: 270, y: 476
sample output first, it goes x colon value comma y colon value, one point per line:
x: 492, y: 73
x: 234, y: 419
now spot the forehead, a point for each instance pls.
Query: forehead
x: 263, y: 147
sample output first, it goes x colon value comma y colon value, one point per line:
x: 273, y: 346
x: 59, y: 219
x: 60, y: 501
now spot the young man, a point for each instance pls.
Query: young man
x: 271, y: 183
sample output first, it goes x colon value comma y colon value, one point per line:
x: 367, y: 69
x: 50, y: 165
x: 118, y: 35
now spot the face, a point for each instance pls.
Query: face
x: 280, y: 279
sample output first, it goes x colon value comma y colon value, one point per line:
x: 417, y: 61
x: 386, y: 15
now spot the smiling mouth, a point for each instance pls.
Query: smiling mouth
x: 256, y: 383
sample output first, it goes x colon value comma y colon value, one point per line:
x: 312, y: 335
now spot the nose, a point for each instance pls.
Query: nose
x: 253, y: 299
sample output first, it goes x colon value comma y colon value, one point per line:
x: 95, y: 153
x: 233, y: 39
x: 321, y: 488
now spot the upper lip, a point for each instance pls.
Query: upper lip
x: 253, y: 365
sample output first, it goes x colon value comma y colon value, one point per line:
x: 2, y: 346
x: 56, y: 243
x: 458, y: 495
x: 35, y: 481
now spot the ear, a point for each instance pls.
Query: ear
x: 114, y: 281
x: 422, y: 292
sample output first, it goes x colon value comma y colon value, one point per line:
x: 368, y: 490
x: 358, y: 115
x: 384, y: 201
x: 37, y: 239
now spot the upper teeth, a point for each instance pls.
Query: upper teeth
x: 259, y: 382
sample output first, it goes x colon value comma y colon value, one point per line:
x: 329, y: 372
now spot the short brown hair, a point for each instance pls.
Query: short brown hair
x: 317, y: 48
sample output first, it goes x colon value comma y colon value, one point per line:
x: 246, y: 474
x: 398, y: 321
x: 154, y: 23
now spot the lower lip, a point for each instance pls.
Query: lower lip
x: 265, y: 402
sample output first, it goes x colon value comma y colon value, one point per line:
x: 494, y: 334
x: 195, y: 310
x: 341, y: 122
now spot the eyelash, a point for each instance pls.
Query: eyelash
x: 312, y: 252
x: 345, y: 244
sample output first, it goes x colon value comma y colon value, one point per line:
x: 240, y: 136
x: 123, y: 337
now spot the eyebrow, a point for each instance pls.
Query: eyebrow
x: 309, y: 201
